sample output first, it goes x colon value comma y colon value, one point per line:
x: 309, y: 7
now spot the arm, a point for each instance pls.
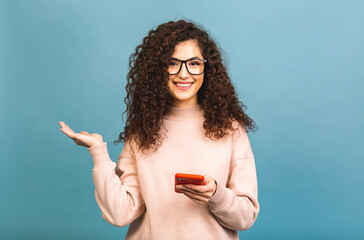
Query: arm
x: 117, y: 190
x: 236, y: 205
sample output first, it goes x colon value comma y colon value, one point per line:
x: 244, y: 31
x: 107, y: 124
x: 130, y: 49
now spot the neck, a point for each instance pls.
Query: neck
x: 186, y: 103
x: 180, y: 113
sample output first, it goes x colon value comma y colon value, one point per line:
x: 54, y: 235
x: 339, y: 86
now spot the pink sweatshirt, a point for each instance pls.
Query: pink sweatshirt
x: 139, y: 189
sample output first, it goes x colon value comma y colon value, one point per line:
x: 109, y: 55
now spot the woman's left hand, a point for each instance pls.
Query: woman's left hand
x: 199, y: 193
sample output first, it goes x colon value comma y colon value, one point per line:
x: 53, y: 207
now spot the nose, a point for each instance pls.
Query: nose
x: 183, y: 74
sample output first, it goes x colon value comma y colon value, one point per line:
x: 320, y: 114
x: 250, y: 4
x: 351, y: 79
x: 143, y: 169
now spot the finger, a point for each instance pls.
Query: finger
x: 67, y: 130
x: 193, y: 197
x: 191, y: 191
x: 64, y: 126
x: 80, y: 143
x: 196, y: 198
x: 208, y: 179
x: 199, y: 188
x: 82, y: 137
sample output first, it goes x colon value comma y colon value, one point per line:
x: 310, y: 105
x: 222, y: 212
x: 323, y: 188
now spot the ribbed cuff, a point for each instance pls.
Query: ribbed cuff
x: 220, y: 199
x: 100, y: 155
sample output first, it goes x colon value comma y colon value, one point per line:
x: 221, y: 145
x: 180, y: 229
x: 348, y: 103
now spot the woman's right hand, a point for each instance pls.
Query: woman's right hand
x: 83, y: 138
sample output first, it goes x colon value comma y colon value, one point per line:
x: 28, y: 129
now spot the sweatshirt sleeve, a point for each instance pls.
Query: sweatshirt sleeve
x: 236, y: 205
x: 117, y: 189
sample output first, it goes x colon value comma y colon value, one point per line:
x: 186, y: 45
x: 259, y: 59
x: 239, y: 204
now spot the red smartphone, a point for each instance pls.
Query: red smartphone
x: 184, y: 178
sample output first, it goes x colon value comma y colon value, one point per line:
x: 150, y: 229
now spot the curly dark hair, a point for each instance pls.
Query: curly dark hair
x: 148, y: 98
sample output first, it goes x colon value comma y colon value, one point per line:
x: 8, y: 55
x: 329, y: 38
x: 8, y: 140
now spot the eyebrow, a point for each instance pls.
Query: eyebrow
x: 193, y: 58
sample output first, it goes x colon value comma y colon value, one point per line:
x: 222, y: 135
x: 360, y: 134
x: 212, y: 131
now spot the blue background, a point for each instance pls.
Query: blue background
x: 297, y: 65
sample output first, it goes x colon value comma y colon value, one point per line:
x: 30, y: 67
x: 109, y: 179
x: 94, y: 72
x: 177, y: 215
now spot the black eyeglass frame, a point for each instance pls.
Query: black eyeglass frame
x: 185, y: 62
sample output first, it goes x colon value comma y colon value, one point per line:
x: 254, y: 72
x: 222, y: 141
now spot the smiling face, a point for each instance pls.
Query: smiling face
x: 185, y: 95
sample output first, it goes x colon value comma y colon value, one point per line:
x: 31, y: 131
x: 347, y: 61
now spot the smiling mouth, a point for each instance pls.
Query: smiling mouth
x: 183, y: 86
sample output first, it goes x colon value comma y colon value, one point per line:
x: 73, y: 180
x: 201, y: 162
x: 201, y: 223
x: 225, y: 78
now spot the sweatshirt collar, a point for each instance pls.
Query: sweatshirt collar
x: 183, y: 113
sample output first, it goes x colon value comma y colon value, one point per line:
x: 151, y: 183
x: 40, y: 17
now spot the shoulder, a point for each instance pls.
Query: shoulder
x: 238, y: 129
x: 129, y: 148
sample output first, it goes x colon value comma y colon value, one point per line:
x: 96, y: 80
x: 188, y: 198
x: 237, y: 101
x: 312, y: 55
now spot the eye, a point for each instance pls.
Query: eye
x: 173, y: 63
x: 195, y: 63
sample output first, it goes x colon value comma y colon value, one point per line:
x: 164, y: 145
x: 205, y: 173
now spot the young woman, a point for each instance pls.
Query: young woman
x: 183, y: 116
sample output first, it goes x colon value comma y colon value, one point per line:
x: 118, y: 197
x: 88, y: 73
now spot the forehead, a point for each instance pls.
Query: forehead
x: 186, y: 50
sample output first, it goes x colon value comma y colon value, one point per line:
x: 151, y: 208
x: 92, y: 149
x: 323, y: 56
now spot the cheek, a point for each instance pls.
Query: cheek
x: 200, y: 80
x: 170, y: 79
x: 169, y: 85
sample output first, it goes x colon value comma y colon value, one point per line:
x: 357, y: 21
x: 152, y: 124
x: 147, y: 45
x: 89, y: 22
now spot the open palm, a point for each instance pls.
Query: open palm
x: 83, y: 138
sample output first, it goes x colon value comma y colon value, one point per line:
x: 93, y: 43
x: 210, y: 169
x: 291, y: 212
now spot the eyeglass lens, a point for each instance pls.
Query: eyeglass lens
x: 194, y: 66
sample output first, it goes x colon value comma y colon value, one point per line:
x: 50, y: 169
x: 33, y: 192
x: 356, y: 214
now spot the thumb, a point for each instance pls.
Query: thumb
x: 207, y: 179
x: 84, y: 133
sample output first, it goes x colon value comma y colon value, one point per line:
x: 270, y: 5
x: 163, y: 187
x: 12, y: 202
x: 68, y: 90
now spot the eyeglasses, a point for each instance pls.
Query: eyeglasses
x: 194, y: 66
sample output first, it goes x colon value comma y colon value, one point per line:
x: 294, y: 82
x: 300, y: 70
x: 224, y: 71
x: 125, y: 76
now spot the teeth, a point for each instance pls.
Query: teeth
x: 183, y: 85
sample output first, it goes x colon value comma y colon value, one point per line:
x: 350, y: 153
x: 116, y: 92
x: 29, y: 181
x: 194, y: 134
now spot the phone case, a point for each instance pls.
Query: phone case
x: 184, y: 178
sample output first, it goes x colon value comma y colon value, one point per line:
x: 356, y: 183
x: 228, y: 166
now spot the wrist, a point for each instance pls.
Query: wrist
x: 215, y: 189
x: 96, y: 144
x: 100, y: 155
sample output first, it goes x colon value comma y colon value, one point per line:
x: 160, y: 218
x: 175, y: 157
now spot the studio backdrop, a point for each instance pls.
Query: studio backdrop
x: 297, y: 66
